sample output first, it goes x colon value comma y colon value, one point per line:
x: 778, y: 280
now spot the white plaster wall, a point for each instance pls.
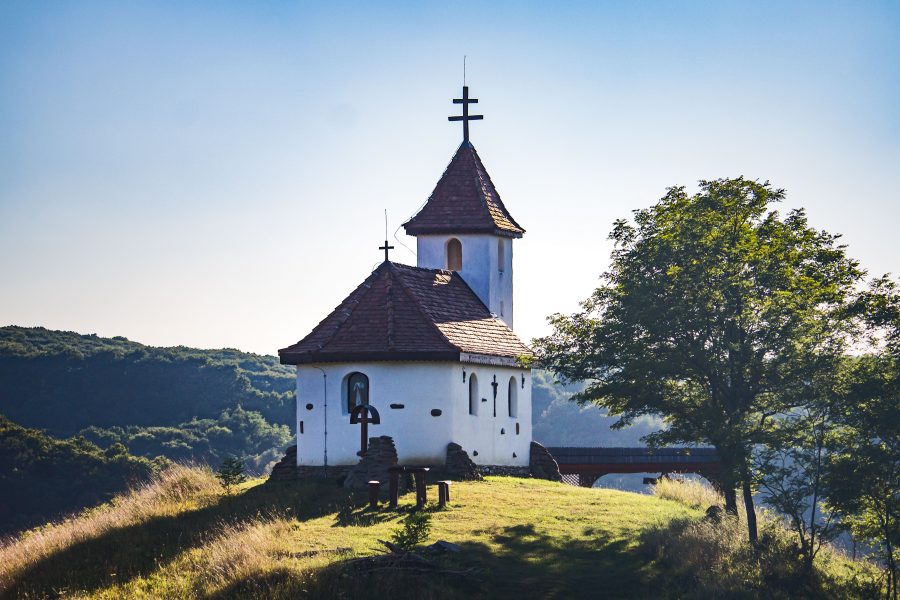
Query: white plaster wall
x: 420, y: 438
x: 480, y: 267
x: 493, y: 437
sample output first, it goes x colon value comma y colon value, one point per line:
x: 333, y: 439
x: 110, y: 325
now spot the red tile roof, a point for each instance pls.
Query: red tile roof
x: 407, y: 313
x: 464, y: 201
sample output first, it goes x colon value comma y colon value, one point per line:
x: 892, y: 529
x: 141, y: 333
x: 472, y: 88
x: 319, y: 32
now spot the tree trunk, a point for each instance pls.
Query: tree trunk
x: 730, y: 501
x: 726, y: 478
x: 751, y: 514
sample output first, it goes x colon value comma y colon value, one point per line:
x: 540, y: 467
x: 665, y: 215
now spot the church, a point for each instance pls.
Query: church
x: 425, y: 354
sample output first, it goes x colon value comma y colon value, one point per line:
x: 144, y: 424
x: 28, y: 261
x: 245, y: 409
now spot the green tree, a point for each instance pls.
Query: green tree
x: 864, y: 474
x: 231, y: 473
x: 792, y: 463
x: 713, y: 307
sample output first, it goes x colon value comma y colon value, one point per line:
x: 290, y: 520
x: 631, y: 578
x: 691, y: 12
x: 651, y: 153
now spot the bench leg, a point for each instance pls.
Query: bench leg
x: 393, y: 489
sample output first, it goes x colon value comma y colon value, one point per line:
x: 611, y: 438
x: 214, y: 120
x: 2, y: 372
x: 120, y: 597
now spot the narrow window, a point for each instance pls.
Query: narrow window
x: 454, y: 255
x: 501, y: 255
x: 357, y: 390
x: 513, y: 398
x: 473, y: 394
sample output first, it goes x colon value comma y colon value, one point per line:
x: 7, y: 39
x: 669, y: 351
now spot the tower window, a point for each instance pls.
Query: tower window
x: 454, y: 255
x: 501, y: 255
x: 473, y: 394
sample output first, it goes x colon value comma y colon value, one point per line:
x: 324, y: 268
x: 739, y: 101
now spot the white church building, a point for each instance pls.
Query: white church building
x: 429, y: 347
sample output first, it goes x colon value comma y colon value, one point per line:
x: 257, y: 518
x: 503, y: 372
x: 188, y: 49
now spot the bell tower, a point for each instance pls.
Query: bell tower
x: 465, y: 226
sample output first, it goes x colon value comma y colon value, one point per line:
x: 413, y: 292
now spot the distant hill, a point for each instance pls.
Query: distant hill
x: 181, y: 403
x: 43, y: 478
x: 64, y: 381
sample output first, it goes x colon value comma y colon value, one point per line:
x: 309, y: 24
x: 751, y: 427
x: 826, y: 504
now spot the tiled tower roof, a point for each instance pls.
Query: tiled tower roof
x: 464, y: 201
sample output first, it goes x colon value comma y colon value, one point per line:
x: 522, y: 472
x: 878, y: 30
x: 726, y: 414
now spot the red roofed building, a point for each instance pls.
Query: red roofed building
x: 429, y: 348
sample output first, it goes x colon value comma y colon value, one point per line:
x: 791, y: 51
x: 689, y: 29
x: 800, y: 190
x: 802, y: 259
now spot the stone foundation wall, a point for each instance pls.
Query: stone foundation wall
x: 380, y: 456
x: 459, y: 466
x: 332, y: 472
x: 287, y: 470
x: 505, y: 471
x: 543, y: 465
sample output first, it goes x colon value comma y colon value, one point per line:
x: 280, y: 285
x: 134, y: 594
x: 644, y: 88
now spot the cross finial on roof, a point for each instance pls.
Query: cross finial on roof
x: 466, y: 117
x: 386, y: 249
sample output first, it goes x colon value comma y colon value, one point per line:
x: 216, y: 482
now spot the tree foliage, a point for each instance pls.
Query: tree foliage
x: 792, y: 463
x: 864, y: 474
x: 181, y: 403
x: 713, y: 309
x: 43, y: 478
x: 64, y: 382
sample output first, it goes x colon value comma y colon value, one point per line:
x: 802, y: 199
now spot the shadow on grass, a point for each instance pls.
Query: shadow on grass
x: 518, y: 562
x: 122, y: 554
x: 524, y: 562
x: 353, y: 513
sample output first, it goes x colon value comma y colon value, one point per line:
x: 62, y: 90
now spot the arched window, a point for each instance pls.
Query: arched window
x: 501, y: 255
x: 473, y: 394
x: 357, y: 391
x: 513, y: 398
x: 454, y: 255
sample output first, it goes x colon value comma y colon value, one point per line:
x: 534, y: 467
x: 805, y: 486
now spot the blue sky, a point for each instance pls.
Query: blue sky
x: 215, y: 174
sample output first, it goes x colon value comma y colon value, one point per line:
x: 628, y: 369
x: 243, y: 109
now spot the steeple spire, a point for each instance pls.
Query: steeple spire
x: 466, y: 117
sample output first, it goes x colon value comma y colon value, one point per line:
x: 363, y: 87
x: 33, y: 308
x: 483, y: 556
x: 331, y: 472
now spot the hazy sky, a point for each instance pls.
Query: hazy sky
x: 215, y: 174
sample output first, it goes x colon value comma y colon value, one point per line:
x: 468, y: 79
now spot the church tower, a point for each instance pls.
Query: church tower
x: 425, y: 354
x: 465, y: 227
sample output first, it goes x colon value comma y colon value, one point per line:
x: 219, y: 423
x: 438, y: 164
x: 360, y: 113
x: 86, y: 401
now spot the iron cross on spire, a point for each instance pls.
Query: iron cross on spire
x: 386, y: 247
x: 466, y: 117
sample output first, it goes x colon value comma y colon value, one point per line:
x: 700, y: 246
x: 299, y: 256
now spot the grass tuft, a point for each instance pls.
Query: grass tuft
x: 693, y: 493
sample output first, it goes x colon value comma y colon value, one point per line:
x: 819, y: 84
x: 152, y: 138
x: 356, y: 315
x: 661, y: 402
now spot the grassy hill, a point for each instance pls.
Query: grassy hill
x: 182, y: 537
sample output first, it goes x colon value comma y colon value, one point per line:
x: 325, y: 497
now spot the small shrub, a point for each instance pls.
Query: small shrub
x: 415, y: 530
x: 231, y: 473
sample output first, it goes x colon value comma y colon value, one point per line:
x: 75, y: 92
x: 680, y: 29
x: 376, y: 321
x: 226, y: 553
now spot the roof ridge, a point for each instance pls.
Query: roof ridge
x: 479, y: 179
x: 482, y: 175
x: 412, y: 298
x: 455, y: 276
x: 418, y: 268
x: 343, y: 317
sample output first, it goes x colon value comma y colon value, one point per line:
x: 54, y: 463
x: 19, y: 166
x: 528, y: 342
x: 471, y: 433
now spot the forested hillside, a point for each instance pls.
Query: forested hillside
x: 560, y: 422
x: 182, y: 403
x: 43, y: 478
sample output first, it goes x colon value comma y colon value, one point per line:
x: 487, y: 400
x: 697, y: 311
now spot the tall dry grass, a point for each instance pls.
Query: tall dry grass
x: 168, y: 493
x: 693, y: 493
x: 713, y: 559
